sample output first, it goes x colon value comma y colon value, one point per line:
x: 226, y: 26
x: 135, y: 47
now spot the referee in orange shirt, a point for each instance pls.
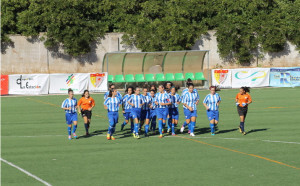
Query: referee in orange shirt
x: 243, y: 99
x: 85, y: 105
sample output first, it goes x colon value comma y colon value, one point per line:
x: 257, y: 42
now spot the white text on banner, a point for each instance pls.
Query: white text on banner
x: 28, y: 84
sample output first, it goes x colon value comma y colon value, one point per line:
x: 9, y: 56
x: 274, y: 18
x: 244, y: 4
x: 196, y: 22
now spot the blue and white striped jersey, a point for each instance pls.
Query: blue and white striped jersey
x: 152, y: 101
x: 136, y: 100
x: 69, y: 103
x: 112, y: 104
x: 212, y: 100
x: 184, y: 91
x: 162, y: 98
x: 190, y: 99
x: 147, y: 101
x: 118, y: 95
x: 125, y: 99
x: 174, y: 99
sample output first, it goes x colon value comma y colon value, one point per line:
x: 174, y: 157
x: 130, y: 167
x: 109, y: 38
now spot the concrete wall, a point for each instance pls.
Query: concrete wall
x: 30, y: 56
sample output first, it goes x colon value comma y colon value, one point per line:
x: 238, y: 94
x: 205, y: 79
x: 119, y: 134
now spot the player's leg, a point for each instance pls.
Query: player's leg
x: 193, y: 122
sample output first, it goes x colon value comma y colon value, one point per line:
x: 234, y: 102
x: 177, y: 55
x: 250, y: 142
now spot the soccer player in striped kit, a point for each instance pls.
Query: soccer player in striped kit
x: 162, y: 100
x: 136, y: 100
x: 184, y: 91
x: 190, y: 101
x: 168, y: 86
x: 112, y: 86
x: 152, y: 111
x: 127, y: 108
x: 112, y: 104
x: 70, y: 107
x: 211, y: 102
x: 145, y: 114
x: 243, y: 99
x: 173, y: 109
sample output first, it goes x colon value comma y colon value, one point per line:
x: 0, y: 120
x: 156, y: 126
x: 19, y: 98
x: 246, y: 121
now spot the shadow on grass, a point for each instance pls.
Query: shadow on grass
x: 225, y: 131
x: 257, y: 130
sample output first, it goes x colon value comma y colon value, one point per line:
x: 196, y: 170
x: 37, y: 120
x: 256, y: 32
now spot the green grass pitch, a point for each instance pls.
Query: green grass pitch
x: 34, y: 137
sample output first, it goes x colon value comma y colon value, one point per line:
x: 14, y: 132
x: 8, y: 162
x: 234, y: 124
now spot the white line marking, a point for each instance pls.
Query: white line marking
x: 203, y: 137
x: 26, y: 172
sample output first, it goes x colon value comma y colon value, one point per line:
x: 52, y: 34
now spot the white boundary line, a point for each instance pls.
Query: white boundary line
x: 26, y: 172
x: 204, y: 137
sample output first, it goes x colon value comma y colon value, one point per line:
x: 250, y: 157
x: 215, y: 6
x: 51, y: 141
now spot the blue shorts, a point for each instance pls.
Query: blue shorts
x: 136, y: 113
x: 188, y: 114
x: 162, y: 113
x: 173, y: 113
x: 127, y: 115
x: 113, y: 118
x: 152, y: 113
x: 145, y: 114
x: 70, y: 117
x: 212, y: 114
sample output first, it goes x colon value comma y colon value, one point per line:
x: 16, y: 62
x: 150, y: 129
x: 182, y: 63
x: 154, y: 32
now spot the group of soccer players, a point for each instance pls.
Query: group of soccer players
x: 143, y: 109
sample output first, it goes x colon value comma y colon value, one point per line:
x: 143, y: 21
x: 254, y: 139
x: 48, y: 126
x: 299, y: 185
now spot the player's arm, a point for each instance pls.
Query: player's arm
x: 249, y: 100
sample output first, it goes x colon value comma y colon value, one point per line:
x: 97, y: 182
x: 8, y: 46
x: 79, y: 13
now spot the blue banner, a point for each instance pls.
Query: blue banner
x: 285, y: 77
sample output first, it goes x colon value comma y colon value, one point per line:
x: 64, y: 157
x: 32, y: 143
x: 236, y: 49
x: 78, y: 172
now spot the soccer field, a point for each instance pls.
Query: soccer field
x: 34, y: 138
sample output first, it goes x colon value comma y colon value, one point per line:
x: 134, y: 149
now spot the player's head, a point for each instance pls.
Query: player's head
x: 244, y: 90
x: 129, y: 90
x: 112, y: 93
x: 112, y: 86
x: 161, y: 88
x: 174, y: 90
x: 213, y: 89
x: 86, y: 94
x: 191, y: 87
x: 145, y: 90
x: 137, y: 90
x: 189, y: 81
x: 153, y: 87
x: 168, y: 85
x: 152, y: 93
x: 70, y: 93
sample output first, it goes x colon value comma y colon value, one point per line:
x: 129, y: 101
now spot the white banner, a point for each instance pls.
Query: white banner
x: 98, y: 82
x: 221, y: 78
x: 60, y: 83
x: 28, y: 84
x: 250, y: 77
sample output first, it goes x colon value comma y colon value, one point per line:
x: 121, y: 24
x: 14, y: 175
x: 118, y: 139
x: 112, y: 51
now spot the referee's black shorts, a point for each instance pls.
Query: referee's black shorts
x: 86, y: 113
x: 242, y: 110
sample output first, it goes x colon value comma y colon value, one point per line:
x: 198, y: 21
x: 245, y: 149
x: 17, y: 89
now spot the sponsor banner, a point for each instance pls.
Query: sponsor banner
x: 285, y: 77
x: 221, y: 78
x: 98, y: 82
x: 28, y: 84
x: 250, y: 77
x: 60, y: 83
x: 4, y: 85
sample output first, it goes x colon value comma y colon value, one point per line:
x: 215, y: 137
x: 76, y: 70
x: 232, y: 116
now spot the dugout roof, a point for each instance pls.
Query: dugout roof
x: 154, y: 62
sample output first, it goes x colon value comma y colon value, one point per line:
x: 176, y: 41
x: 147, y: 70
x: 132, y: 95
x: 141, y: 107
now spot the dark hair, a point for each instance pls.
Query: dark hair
x: 168, y: 82
x: 110, y: 92
x: 215, y: 87
x: 191, y: 84
x: 70, y: 90
x: 246, y: 89
x: 85, y: 92
x: 188, y: 82
x: 146, y: 88
x: 110, y: 85
x: 153, y: 91
x: 126, y: 91
x: 151, y: 86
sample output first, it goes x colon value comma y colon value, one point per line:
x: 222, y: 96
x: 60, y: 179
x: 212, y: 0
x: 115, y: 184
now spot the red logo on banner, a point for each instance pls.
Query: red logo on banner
x: 97, y: 79
x: 4, y: 84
